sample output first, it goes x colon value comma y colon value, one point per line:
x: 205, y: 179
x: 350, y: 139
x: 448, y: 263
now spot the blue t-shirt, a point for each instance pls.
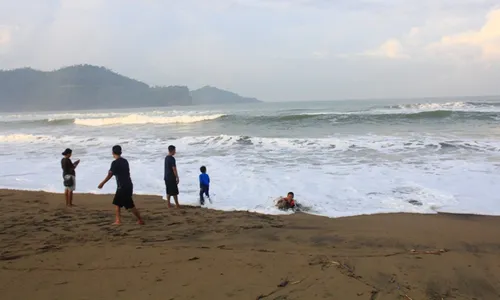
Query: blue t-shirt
x: 204, y: 179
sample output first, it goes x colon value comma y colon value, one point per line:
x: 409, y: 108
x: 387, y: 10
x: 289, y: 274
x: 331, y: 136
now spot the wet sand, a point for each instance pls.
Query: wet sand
x: 51, y: 252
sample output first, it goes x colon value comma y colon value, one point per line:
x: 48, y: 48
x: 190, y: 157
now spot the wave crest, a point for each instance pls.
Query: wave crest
x: 137, y: 119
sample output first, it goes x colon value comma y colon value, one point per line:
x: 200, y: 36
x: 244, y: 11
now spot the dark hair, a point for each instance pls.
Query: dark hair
x: 67, y: 151
x: 117, y: 149
x: 171, y: 148
x: 291, y: 193
x: 203, y: 169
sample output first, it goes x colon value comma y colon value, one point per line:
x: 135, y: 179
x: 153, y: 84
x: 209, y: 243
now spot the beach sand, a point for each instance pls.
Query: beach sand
x: 50, y: 252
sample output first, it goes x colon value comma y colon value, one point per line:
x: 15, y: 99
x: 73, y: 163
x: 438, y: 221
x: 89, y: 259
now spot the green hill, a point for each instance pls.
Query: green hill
x: 212, y: 95
x: 92, y: 87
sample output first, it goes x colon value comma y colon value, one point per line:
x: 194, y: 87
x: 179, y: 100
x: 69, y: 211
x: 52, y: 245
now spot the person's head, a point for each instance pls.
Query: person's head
x: 171, y: 150
x: 117, y: 151
x: 203, y: 169
x: 290, y: 196
x: 67, y: 153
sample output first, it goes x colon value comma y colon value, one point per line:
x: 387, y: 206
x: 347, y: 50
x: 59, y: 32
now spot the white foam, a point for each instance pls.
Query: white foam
x: 453, y: 106
x: 22, y: 138
x: 379, y: 174
x: 137, y: 119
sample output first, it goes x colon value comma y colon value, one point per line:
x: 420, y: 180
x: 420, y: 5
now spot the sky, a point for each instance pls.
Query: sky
x: 275, y: 50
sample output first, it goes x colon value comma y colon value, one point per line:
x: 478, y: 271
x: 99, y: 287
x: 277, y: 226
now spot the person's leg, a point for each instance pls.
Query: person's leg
x: 207, y: 193
x: 66, y: 195
x: 118, y: 220
x: 175, y: 193
x: 128, y: 203
x: 71, y: 190
x: 169, y: 204
x: 202, y: 200
x: 118, y: 203
x: 136, y: 213
x: 176, y: 199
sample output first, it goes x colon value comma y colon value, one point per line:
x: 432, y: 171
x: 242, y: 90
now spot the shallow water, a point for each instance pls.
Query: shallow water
x: 340, y: 158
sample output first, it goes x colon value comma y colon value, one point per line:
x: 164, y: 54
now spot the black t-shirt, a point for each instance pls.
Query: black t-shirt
x: 121, y: 171
x: 169, y: 167
x: 67, y: 166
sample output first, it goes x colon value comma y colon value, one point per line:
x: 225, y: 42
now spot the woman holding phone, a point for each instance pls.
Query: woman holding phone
x: 69, y: 174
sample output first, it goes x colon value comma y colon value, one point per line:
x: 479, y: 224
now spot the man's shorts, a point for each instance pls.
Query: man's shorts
x: 123, y: 198
x: 72, y: 179
x: 171, y: 186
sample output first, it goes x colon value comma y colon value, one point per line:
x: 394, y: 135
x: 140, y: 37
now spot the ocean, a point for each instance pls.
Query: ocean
x: 340, y: 158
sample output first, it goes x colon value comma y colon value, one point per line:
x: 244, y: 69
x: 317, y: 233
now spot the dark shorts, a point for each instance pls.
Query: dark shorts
x: 172, y: 188
x: 123, y: 198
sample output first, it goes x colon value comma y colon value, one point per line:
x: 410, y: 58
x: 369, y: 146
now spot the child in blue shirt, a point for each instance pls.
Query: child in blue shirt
x: 204, y: 185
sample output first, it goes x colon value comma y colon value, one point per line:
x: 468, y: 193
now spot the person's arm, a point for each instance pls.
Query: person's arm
x: 101, y: 185
x: 174, y: 168
x: 208, y: 180
x: 108, y: 177
x: 76, y: 164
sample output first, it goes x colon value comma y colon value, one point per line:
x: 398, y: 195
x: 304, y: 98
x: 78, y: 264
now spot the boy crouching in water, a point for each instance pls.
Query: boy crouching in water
x: 204, y: 185
x: 286, y: 203
x: 124, y: 187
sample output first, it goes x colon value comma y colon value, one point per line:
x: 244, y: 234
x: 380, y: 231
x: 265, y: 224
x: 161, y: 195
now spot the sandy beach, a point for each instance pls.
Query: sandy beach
x: 51, y: 252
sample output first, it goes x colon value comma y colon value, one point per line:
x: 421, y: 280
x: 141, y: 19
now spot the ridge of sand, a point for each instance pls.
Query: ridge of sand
x: 50, y: 252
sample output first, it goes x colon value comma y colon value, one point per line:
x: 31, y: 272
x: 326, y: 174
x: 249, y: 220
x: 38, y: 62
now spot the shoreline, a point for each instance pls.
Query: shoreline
x: 54, y: 252
x: 280, y: 213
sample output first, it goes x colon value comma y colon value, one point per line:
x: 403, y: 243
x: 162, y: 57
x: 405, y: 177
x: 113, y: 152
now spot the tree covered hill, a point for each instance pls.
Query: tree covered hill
x: 92, y: 87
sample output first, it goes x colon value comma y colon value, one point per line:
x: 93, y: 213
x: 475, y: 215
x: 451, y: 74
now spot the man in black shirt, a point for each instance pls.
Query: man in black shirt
x: 171, y: 177
x: 124, y: 187
x: 69, y: 174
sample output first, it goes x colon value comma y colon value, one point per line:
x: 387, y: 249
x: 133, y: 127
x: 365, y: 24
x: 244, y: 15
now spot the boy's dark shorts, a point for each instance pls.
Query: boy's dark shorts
x: 123, y: 198
x: 172, y: 188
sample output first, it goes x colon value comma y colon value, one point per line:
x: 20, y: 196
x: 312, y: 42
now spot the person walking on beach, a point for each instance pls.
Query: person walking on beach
x: 171, y: 177
x: 69, y: 175
x: 124, y: 187
x: 204, y: 185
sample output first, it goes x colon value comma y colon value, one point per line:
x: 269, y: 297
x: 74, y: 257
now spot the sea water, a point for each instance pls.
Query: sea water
x: 339, y: 158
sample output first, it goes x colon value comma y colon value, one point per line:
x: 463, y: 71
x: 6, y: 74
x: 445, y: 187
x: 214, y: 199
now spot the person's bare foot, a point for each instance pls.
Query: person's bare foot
x: 117, y: 223
x: 169, y: 205
x: 141, y: 222
x: 178, y: 206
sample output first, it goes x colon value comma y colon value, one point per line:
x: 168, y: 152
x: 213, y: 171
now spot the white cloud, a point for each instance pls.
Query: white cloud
x: 242, y: 45
x: 5, y: 35
x: 320, y: 54
x: 485, y: 41
x: 426, y: 44
x: 392, y: 49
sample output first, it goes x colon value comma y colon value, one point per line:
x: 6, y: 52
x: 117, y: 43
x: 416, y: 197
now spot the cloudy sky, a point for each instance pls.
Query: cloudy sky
x: 276, y: 50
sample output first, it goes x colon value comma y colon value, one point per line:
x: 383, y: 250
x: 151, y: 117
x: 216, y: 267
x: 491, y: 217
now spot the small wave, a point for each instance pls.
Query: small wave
x: 381, y: 144
x: 454, y: 106
x: 430, y: 106
x: 60, y: 121
x: 22, y: 138
x: 136, y: 119
x: 39, y: 122
x: 370, y: 143
x: 366, y: 117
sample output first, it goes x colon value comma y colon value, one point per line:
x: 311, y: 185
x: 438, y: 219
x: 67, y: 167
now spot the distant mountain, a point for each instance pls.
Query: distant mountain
x: 92, y: 87
x: 212, y: 95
